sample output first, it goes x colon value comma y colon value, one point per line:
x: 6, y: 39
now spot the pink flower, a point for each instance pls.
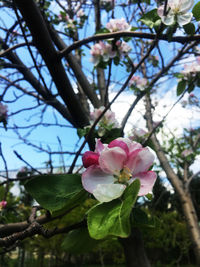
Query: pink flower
x: 80, y: 13
x: 107, y: 119
x: 138, y: 133
x: 117, y: 25
x: 3, y: 204
x: 138, y: 82
x: 123, y: 48
x: 101, y: 51
x: 186, y: 152
x: 111, y: 168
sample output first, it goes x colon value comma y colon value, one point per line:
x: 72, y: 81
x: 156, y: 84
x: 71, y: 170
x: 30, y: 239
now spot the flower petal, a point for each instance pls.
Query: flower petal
x: 94, y: 176
x: 140, y: 160
x: 184, y: 19
x: 147, y: 180
x: 111, y: 160
x: 90, y: 158
x: 99, y: 146
x: 108, y: 192
x: 186, y: 5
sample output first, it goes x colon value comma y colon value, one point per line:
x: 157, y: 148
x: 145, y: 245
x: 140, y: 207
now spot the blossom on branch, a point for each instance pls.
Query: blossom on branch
x: 114, y: 166
x: 3, y: 204
x: 118, y: 25
x: 107, y: 120
x: 123, y: 48
x: 101, y: 51
x: 176, y: 11
x: 138, y: 82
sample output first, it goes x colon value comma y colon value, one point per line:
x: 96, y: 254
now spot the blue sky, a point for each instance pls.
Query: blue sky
x: 47, y: 136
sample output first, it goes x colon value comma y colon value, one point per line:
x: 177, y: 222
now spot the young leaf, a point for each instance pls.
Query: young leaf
x: 54, y: 192
x: 181, y: 87
x: 196, y: 11
x: 113, y: 218
x: 150, y: 18
x: 79, y: 241
x: 189, y: 28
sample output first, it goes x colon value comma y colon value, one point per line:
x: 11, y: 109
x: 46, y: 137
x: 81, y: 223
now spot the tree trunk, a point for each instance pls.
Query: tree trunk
x: 134, y: 250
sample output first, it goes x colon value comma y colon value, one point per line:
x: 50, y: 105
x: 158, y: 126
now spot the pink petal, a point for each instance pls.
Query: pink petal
x: 119, y: 143
x: 140, y: 160
x: 147, y: 180
x: 112, y: 160
x: 99, y: 146
x: 94, y: 176
x: 90, y: 158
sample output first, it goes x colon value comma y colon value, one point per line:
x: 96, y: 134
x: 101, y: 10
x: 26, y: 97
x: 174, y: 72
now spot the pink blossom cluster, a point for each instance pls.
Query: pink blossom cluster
x: 114, y: 166
x: 3, y: 204
x: 186, y: 152
x: 123, y: 48
x: 80, y: 13
x: 100, y: 51
x: 3, y: 112
x: 108, y: 119
x: 138, y: 82
x: 138, y: 134
x: 118, y: 25
x: 192, y: 69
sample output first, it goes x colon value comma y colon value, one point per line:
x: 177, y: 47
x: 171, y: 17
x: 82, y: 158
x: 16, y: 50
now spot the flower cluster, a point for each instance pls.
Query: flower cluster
x: 108, y: 120
x: 176, y: 11
x: 118, y: 25
x: 186, y: 153
x: 138, y: 82
x: 101, y: 52
x: 138, y: 134
x: 114, y: 166
x: 192, y: 69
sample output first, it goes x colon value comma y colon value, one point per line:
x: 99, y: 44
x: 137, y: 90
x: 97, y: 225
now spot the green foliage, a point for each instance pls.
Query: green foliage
x: 79, y: 241
x: 55, y: 192
x: 189, y: 28
x: 196, y: 11
x: 113, y: 218
x: 181, y: 87
x: 151, y: 19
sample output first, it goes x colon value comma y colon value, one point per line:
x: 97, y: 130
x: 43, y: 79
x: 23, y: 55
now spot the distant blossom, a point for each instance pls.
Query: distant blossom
x: 123, y: 48
x: 3, y: 204
x: 177, y: 11
x: 138, y: 82
x: 186, y: 152
x: 107, y: 119
x: 116, y: 25
x: 100, y: 51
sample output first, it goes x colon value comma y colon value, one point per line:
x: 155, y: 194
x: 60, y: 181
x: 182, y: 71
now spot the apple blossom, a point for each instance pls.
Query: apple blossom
x: 138, y: 82
x: 186, y: 152
x: 116, y: 25
x: 101, y: 51
x: 123, y: 48
x: 138, y: 134
x: 3, y: 204
x: 80, y: 13
x: 113, y: 167
x: 107, y: 119
x: 177, y: 11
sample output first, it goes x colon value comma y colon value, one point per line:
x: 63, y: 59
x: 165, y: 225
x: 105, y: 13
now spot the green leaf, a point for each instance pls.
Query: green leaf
x: 189, y: 28
x: 178, y: 75
x: 54, y: 192
x: 196, y: 11
x: 79, y: 241
x: 191, y: 88
x: 150, y: 19
x: 181, y: 87
x: 113, y: 218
